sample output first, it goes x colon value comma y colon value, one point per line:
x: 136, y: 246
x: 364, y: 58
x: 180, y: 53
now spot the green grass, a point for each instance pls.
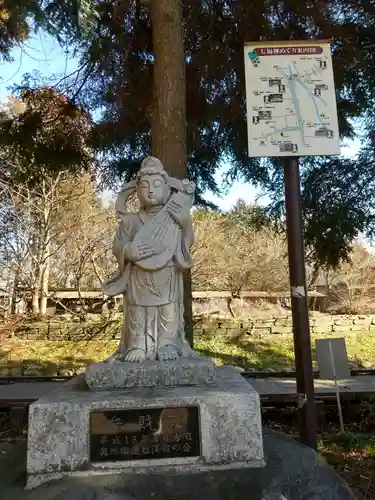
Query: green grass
x: 353, y: 456
x: 229, y: 344
x: 244, y: 351
x: 276, y: 352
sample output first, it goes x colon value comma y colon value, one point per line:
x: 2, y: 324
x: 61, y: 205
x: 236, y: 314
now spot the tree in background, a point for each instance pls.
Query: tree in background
x: 36, y: 225
x: 114, y: 43
x: 40, y: 181
x: 234, y: 252
x: 14, y: 26
x: 85, y: 258
x: 351, y: 287
x: 43, y: 133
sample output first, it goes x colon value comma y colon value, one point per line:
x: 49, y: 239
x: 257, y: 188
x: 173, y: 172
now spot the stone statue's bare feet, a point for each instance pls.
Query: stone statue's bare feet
x: 167, y: 353
x: 135, y: 355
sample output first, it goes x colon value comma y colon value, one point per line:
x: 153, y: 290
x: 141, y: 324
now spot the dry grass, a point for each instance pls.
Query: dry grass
x: 229, y: 344
x: 353, y: 456
x: 38, y: 356
x: 276, y: 352
x: 51, y: 357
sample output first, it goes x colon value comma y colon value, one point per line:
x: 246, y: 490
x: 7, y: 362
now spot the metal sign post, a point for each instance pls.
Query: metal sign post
x: 291, y: 112
x: 300, y: 310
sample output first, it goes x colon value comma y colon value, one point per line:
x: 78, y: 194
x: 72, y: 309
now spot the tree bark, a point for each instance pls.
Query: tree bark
x: 49, y: 195
x: 44, y: 288
x: 169, y: 107
x: 35, y: 300
x: 14, y: 292
x: 35, y: 252
x: 169, y: 87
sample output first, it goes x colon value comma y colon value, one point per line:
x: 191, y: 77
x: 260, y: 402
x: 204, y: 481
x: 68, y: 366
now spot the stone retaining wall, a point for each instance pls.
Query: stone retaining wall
x: 283, y: 325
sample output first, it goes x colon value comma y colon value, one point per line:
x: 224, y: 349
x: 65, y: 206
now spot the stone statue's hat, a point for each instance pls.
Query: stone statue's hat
x: 151, y: 166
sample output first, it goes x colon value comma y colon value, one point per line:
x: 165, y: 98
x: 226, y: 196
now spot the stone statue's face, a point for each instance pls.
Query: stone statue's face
x: 151, y: 190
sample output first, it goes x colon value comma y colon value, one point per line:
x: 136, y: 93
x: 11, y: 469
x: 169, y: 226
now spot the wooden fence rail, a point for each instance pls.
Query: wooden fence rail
x: 97, y: 294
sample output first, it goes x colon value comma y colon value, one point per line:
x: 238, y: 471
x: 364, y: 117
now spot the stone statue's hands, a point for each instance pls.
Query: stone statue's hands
x: 134, y: 252
x: 145, y: 250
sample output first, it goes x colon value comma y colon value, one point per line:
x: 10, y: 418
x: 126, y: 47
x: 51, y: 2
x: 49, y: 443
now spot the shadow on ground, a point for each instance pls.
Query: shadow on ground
x: 264, y: 358
x: 245, y: 351
x: 66, y: 366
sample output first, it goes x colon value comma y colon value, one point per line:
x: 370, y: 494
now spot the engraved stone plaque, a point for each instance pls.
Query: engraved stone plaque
x: 120, y: 435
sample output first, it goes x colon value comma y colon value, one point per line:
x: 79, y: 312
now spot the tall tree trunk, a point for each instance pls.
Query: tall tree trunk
x: 14, y: 292
x: 169, y: 106
x: 188, y: 308
x: 44, y: 281
x: 169, y: 87
x: 35, y: 263
x: 35, y: 300
x: 49, y: 194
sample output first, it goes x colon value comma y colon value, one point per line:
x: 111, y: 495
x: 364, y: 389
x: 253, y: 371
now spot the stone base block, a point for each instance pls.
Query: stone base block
x: 118, y: 375
x: 227, y: 429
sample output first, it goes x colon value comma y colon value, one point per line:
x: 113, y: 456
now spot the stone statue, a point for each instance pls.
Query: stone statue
x: 152, y: 248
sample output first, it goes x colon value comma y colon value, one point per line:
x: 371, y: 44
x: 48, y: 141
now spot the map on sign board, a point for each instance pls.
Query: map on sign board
x: 291, y: 102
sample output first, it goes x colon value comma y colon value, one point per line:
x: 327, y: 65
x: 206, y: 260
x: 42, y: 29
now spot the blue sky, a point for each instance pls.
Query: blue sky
x: 42, y: 53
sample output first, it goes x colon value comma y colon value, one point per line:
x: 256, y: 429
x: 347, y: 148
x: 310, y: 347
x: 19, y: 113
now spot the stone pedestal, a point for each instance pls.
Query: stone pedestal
x: 118, y: 375
x: 76, y: 431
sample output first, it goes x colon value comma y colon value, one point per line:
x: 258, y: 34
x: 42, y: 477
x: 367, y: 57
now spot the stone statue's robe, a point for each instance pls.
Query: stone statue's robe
x: 153, y: 298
